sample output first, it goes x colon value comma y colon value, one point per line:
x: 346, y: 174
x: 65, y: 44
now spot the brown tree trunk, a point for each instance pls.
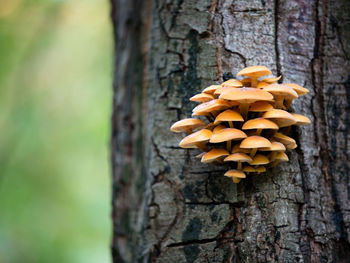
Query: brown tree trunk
x: 167, y: 206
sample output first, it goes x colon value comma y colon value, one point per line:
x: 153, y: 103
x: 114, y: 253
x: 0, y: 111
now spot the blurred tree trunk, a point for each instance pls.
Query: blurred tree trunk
x: 167, y: 206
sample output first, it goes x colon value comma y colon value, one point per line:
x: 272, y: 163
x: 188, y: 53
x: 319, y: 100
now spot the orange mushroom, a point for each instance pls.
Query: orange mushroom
x: 259, y: 124
x: 256, y: 134
x: 187, y: 125
x: 227, y: 135
x: 239, y: 158
x: 281, y: 93
x: 214, y: 155
x: 228, y: 116
x: 197, y: 140
x: 236, y: 175
x: 254, y: 72
x: 255, y: 142
x: 246, y: 96
x: 202, y: 97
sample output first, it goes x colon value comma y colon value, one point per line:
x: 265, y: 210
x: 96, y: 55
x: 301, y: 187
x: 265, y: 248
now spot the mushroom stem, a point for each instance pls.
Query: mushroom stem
x: 243, y: 108
x: 219, y: 161
x: 229, y: 146
x: 258, y: 131
x: 208, y: 118
x: 273, y: 156
x: 215, y: 113
x: 287, y: 130
x: 274, y: 163
x: 253, y: 152
x: 279, y: 102
x: 236, y: 180
x: 254, y: 82
x: 239, y: 166
x: 230, y: 124
x: 189, y: 131
x: 202, y: 146
x: 288, y: 102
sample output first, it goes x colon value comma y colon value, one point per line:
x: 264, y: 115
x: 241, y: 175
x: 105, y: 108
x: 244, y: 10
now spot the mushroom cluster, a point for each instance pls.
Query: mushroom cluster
x: 248, y: 122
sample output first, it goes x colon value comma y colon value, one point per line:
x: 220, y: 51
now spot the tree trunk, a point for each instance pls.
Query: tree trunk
x: 169, y: 207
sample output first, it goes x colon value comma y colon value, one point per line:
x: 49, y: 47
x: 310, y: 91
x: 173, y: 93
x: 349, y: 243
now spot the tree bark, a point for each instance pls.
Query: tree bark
x: 169, y: 207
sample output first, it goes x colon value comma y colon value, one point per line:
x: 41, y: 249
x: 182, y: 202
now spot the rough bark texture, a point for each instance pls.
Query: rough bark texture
x: 167, y: 206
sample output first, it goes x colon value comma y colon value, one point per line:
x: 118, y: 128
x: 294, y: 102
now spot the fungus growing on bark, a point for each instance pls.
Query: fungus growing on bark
x: 254, y: 143
x: 202, y: 97
x: 239, y: 158
x: 246, y: 96
x: 187, y: 125
x: 281, y: 94
x: 227, y: 135
x: 236, y: 175
x: 214, y: 155
x: 253, y: 113
x: 254, y: 72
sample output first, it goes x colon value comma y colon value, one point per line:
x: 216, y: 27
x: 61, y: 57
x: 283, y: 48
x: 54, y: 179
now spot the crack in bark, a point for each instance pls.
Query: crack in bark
x: 317, y: 66
x: 243, y: 58
x: 253, y: 10
x: 277, y: 52
x: 236, y: 204
x: 192, y: 242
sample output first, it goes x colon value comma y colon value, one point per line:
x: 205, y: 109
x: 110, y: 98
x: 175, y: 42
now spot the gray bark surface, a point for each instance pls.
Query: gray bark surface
x: 169, y: 207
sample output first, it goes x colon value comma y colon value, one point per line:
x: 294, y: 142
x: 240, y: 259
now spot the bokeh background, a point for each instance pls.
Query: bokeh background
x: 55, y: 105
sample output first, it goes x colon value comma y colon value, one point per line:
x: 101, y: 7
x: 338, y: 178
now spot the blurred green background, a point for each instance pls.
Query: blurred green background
x: 55, y: 105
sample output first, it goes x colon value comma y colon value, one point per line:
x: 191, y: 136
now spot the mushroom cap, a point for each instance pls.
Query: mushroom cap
x: 238, y: 157
x: 227, y: 134
x: 219, y: 128
x: 260, y: 169
x: 237, y: 149
x: 259, y: 159
x: 210, y: 126
x: 200, y: 114
x: 298, y: 89
x: 252, y: 142
x: 217, y: 104
x: 284, y: 139
x: 185, y: 124
x: 282, y: 157
x: 202, y: 97
x: 275, y: 147
x: 246, y: 82
x: 236, y: 180
x: 260, y: 106
x: 249, y: 169
x: 272, y: 80
x: 259, y: 123
x: 220, y: 90
x: 291, y: 146
x: 211, y: 89
x: 246, y: 95
x: 232, y: 83
x: 191, y: 140
x: 281, y: 117
x: 235, y: 173
x: 228, y: 115
x: 254, y: 71
x: 262, y: 84
x: 301, y: 119
x: 214, y: 154
x: 281, y: 90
